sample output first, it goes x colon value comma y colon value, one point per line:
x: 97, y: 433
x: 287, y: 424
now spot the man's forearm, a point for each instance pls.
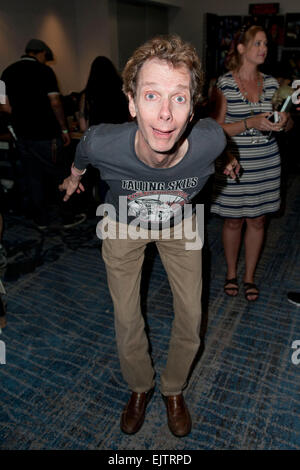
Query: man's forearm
x: 60, y: 115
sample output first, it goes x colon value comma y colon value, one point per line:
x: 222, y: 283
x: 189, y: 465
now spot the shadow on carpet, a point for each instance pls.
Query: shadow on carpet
x: 61, y: 386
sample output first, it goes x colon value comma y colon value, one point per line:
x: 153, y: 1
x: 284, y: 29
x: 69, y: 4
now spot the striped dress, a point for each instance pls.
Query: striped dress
x: 257, y: 190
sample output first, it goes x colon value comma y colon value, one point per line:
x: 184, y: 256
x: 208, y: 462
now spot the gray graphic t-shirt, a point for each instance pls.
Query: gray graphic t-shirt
x: 153, y: 195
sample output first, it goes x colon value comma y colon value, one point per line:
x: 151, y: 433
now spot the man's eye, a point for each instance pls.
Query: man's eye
x: 180, y: 99
x: 150, y: 96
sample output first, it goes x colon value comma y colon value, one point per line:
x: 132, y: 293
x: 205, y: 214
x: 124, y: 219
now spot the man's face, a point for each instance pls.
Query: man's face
x: 162, y: 105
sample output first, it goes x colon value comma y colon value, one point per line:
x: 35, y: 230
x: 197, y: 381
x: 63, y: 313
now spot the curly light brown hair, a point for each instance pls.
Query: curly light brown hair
x: 172, y: 49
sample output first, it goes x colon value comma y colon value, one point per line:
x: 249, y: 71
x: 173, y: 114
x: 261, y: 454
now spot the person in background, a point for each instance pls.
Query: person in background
x: 37, y: 116
x: 243, y: 104
x: 102, y: 101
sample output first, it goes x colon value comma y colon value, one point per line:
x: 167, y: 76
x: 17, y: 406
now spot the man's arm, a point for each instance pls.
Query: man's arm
x: 58, y: 110
x: 82, y: 121
x: 72, y: 183
x: 259, y: 121
x: 231, y: 164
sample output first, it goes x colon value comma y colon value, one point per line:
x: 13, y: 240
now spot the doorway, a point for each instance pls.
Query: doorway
x: 137, y: 22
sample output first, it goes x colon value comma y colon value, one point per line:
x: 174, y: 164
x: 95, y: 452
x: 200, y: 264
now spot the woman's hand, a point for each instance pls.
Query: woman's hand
x: 286, y: 121
x: 262, y: 123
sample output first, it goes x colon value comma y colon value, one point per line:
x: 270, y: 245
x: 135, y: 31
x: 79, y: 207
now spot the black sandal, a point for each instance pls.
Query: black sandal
x: 250, y: 286
x: 232, y: 288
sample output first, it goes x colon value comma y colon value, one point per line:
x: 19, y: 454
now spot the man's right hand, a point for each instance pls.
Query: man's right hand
x: 70, y: 185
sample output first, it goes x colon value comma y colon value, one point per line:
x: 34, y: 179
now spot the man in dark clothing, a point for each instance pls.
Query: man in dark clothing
x: 37, y: 118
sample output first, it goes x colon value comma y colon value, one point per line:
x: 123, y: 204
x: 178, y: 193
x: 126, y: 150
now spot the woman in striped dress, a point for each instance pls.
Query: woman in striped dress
x: 243, y: 105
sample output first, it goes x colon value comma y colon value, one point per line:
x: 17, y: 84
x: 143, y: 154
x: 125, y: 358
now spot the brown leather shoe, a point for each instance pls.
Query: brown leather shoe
x: 133, y: 415
x: 179, y: 419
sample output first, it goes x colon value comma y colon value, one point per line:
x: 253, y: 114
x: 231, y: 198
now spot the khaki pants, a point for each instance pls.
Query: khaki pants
x: 124, y: 259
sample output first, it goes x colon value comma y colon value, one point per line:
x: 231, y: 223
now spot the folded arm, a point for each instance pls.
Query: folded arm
x: 259, y: 121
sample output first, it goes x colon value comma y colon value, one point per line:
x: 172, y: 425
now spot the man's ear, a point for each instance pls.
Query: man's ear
x: 131, y: 105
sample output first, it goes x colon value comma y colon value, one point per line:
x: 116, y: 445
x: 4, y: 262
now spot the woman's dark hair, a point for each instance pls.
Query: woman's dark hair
x: 104, y: 99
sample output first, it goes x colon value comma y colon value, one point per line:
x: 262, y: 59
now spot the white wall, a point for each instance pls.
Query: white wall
x: 53, y: 21
x: 96, y: 34
x: 78, y: 31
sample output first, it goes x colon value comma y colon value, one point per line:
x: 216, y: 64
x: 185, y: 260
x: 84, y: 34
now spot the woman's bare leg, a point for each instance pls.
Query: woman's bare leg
x: 231, y: 236
x: 254, y: 237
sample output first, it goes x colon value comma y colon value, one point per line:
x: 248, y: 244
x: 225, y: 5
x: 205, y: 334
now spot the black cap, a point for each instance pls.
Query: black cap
x: 36, y: 45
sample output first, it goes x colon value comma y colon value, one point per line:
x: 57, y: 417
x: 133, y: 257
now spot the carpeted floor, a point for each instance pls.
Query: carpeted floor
x: 61, y: 386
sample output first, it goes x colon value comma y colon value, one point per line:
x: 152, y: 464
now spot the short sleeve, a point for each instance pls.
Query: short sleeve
x: 3, y: 76
x: 83, y: 149
x: 5, y: 79
x: 221, y: 83
x: 273, y: 83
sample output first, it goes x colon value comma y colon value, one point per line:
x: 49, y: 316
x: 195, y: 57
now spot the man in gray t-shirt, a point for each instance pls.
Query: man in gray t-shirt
x: 154, y: 195
x: 157, y: 166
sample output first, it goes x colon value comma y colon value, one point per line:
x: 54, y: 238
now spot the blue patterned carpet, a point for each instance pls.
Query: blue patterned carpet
x: 61, y: 386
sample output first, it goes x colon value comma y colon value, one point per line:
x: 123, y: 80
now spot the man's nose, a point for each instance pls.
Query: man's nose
x: 165, y: 111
